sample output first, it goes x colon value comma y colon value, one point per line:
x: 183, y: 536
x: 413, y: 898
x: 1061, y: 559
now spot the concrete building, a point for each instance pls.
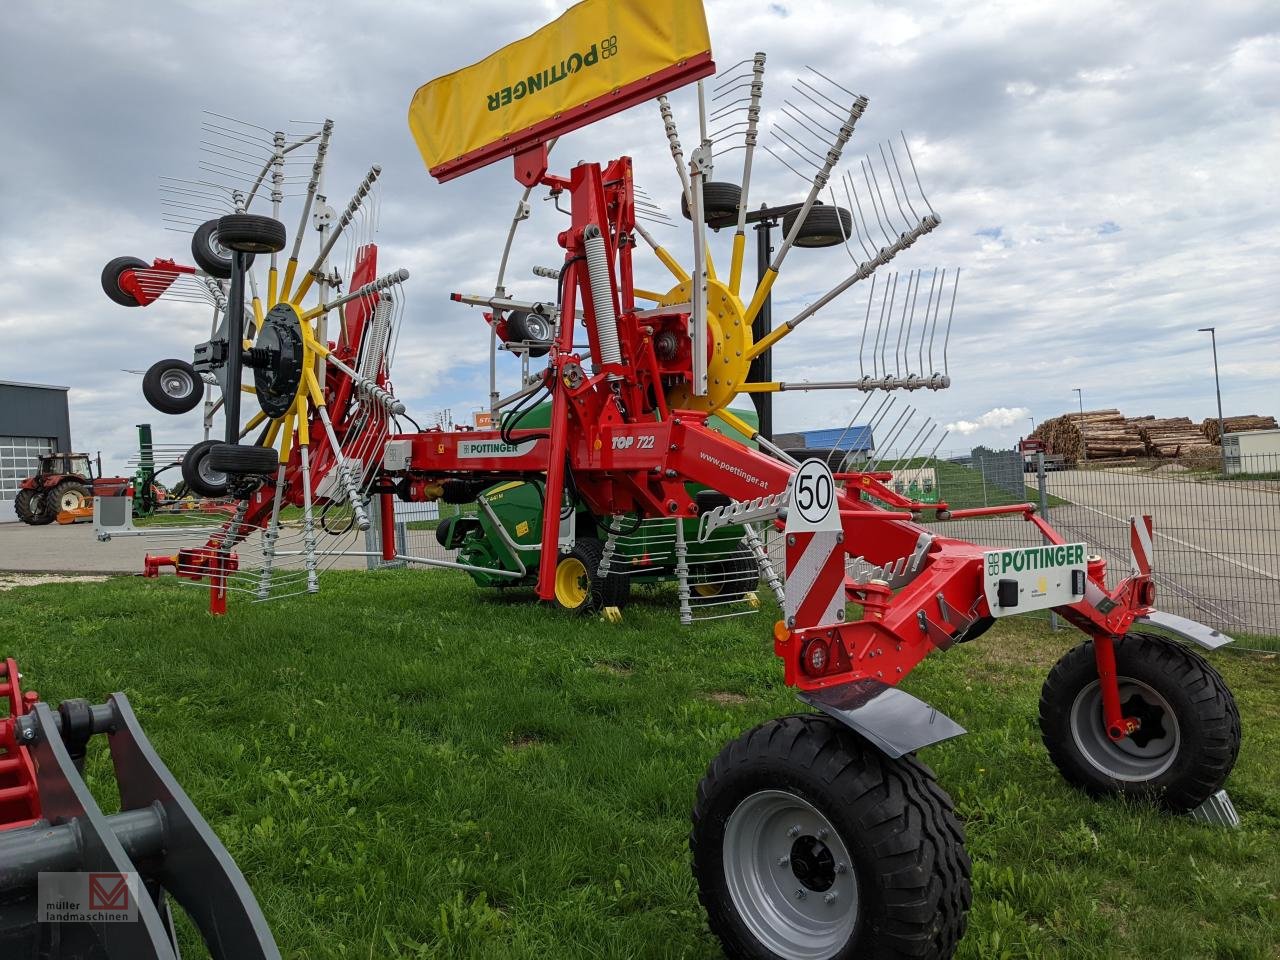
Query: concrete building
x: 34, y: 419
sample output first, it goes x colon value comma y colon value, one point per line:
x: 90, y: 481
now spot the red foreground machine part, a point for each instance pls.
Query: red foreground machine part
x: 50, y: 823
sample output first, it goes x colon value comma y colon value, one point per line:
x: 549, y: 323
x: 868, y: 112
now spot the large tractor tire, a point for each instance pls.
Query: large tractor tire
x: 173, y: 386
x: 199, y: 474
x: 728, y: 578
x: 30, y: 507
x: 1190, y: 729
x: 66, y: 496
x: 578, y: 584
x: 810, y: 844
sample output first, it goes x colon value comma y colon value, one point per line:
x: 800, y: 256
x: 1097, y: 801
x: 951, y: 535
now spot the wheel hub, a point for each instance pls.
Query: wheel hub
x: 278, y: 359
x: 1146, y: 752
x: 813, y: 864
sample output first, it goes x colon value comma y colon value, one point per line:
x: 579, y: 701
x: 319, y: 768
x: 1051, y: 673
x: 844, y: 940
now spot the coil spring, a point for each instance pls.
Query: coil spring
x: 602, y: 298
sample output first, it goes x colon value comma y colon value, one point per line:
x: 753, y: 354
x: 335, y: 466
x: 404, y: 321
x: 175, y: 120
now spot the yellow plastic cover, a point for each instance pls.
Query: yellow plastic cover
x: 598, y: 57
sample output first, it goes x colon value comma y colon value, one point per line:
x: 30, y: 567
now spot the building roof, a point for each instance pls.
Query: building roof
x: 33, y: 386
x: 840, y: 438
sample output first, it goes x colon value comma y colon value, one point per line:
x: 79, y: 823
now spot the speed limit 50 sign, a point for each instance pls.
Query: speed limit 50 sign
x: 815, y: 549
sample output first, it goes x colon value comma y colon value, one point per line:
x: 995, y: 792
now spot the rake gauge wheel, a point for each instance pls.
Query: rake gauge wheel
x: 810, y: 844
x: 172, y: 386
x: 719, y: 201
x: 1190, y: 728
x: 241, y: 460
x: 209, y: 253
x: 199, y: 474
x: 532, y: 329
x: 578, y: 584
x: 250, y: 233
x: 825, y: 226
x: 111, y: 275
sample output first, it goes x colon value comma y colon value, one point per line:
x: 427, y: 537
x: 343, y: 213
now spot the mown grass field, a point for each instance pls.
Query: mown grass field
x: 406, y: 767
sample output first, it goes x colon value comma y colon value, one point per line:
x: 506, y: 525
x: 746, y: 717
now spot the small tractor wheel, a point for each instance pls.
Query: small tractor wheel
x: 111, y: 275
x: 250, y: 233
x: 198, y: 473
x: 243, y: 460
x: 825, y: 226
x: 1189, y: 737
x: 719, y: 200
x: 531, y: 328
x: 730, y: 578
x: 67, y: 495
x: 209, y: 253
x: 578, y: 584
x: 810, y: 844
x: 173, y: 386
x: 451, y: 531
x: 31, y: 509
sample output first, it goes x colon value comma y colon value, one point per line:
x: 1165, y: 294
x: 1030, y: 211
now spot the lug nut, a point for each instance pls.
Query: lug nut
x: 828, y: 898
x: 842, y: 868
x: 784, y: 861
x: 794, y: 831
x: 800, y: 894
x: 824, y: 833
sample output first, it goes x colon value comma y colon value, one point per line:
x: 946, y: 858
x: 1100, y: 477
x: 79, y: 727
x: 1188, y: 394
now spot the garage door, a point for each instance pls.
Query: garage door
x: 19, y: 459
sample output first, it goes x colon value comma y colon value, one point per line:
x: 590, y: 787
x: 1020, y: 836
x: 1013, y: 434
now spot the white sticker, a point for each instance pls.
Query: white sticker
x: 813, y: 498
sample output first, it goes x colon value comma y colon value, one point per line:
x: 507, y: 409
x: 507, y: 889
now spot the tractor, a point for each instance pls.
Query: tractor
x: 63, y: 484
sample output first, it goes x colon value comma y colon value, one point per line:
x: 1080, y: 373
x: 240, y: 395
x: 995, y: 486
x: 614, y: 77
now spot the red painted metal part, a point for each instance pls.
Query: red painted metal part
x: 19, y: 797
x: 387, y: 525
x: 160, y: 277
x: 523, y: 141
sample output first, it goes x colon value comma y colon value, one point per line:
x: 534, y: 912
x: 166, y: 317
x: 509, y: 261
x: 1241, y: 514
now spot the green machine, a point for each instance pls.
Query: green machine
x: 503, y: 533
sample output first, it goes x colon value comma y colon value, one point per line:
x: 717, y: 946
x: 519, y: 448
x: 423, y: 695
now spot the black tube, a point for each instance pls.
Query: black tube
x: 235, y: 347
x: 27, y: 852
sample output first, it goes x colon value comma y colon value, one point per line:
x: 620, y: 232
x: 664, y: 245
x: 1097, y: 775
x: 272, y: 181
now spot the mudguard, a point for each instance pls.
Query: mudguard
x: 890, y: 719
x: 1187, y: 629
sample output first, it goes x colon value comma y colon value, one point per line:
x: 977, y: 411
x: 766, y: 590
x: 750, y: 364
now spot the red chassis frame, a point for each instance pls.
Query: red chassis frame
x: 629, y: 452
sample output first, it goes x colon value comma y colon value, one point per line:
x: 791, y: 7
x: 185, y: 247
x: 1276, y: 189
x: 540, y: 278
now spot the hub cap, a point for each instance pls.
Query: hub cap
x: 278, y: 359
x: 790, y: 876
x: 177, y: 383
x: 1143, y: 755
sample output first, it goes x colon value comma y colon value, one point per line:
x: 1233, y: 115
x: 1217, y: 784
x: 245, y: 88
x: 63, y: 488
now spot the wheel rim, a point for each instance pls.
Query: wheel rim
x: 571, y: 583
x: 537, y: 329
x: 214, y: 478
x: 1143, y: 755
x: 177, y: 383
x: 790, y: 876
x: 70, y: 500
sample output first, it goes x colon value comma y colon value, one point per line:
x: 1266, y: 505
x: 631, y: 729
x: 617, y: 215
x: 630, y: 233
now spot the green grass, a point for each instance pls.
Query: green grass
x: 407, y: 767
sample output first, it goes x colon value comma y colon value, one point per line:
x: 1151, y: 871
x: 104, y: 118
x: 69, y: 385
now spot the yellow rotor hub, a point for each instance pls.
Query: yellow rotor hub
x: 730, y: 336
x: 572, y: 588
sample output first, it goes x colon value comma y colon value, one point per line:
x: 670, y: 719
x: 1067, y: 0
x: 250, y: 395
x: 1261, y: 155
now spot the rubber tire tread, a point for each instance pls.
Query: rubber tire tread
x: 155, y: 395
x: 240, y: 459
x: 251, y: 233
x: 899, y: 825
x: 54, y: 494
x: 1211, y: 720
x: 206, y: 259
x: 191, y: 474
x: 27, y: 513
x: 611, y: 591
x: 518, y: 330
x: 823, y: 221
x: 719, y: 199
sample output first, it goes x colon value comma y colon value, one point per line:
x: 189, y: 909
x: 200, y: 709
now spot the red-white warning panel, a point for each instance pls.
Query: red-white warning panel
x: 1141, y: 551
x: 815, y: 571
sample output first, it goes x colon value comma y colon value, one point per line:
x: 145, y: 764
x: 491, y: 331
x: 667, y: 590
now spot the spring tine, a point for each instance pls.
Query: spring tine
x: 893, y: 227
x: 897, y: 347
x: 862, y: 346
x: 855, y: 209
x: 916, y: 173
x: 910, y: 445
x: 786, y: 138
x: 906, y: 349
x: 769, y: 150
x: 906, y: 195
x: 934, y: 331
x: 955, y: 286
x: 892, y: 186
x: 925, y: 326
x: 899, y: 427
x: 871, y: 195
x: 808, y: 122
x: 888, y: 325
x: 852, y: 420
x: 875, y: 349
x: 803, y: 88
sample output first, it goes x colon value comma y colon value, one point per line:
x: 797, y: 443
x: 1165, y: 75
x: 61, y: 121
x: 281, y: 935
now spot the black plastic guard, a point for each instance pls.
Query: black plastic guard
x: 891, y: 720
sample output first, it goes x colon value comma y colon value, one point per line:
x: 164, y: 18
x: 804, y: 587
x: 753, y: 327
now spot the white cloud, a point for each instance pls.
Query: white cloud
x: 995, y: 419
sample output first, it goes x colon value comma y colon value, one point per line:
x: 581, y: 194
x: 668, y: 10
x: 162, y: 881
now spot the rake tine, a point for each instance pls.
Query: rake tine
x: 855, y: 208
x: 875, y: 348
x: 767, y: 149
x: 905, y: 193
x: 925, y: 326
x: 916, y: 173
x: 888, y: 326
x: 906, y: 350
x: 862, y: 346
x: 852, y: 420
x: 897, y: 347
x: 889, y: 176
x: 934, y: 331
x: 871, y: 195
x: 955, y: 286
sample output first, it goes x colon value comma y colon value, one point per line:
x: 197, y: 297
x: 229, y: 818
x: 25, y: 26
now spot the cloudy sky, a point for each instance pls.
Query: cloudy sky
x: 1106, y: 176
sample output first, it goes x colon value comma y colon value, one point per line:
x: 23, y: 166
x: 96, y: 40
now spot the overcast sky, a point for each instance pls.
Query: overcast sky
x: 1106, y: 176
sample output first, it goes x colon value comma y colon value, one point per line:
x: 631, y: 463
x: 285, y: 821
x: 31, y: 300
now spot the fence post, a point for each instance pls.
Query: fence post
x: 1042, y: 485
x: 372, y: 538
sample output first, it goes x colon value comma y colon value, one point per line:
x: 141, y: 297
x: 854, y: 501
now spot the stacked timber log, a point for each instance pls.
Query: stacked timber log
x: 1235, y: 425
x: 1174, y: 437
x: 1093, y: 435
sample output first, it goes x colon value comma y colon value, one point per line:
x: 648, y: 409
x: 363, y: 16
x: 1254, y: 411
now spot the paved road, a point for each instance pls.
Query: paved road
x: 1217, y: 544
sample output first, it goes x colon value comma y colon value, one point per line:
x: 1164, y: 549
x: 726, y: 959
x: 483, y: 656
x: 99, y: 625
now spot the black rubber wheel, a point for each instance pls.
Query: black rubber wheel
x: 809, y: 843
x: 1190, y: 733
x: 729, y: 578
x: 244, y: 460
x: 579, y: 587
x: 451, y: 531
x: 67, y: 495
x: 173, y: 386
x: 209, y: 253
x: 719, y: 201
x: 250, y: 233
x: 30, y: 507
x: 111, y: 274
x: 825, y: 226
x: 531, y: 328
x: 198, y: 473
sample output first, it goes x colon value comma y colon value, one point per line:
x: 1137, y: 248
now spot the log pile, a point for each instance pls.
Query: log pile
x: 1174, y: 437
x: 1235, y: 425
x: 1110, y: 435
